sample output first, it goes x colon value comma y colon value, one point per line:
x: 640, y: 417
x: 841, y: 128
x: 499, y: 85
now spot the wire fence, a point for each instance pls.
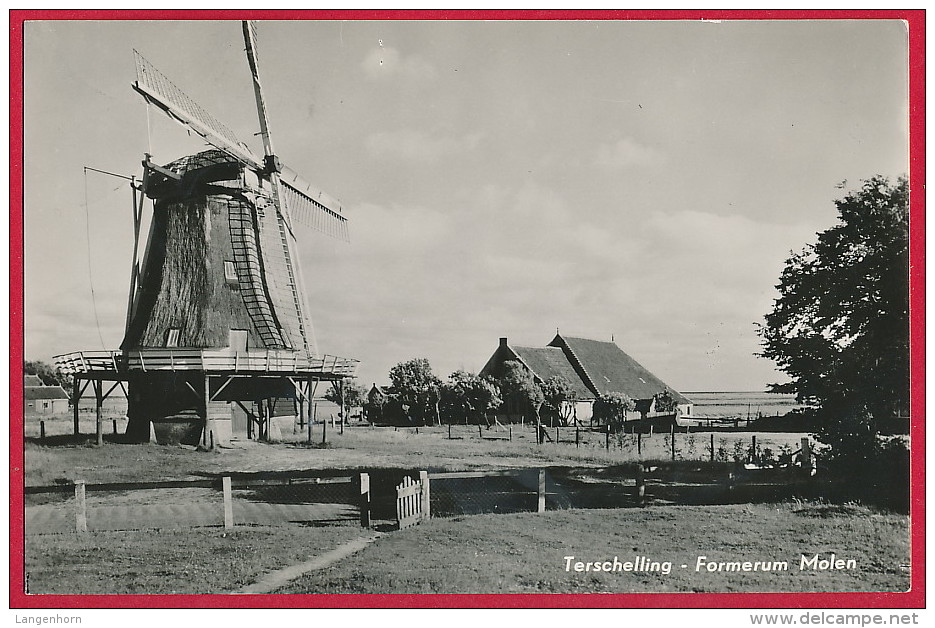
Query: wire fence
x: 244, y: 499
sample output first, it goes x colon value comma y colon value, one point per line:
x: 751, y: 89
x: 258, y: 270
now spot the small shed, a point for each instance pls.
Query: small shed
x: 42, y: 400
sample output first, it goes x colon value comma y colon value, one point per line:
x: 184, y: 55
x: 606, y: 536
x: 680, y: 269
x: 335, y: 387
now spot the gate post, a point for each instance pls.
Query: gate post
x: 541, y: 504
x: 426, y: 495
x: 365, y: 500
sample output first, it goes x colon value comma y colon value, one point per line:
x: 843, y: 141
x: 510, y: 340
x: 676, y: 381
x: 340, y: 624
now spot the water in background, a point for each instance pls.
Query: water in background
x: 742, y: 405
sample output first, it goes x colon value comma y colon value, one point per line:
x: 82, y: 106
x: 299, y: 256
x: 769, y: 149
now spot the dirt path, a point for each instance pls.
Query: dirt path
x: 276, y: 579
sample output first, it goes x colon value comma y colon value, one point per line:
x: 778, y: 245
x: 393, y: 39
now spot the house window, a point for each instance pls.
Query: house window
x: 172, y: 337
x: 230, y: 273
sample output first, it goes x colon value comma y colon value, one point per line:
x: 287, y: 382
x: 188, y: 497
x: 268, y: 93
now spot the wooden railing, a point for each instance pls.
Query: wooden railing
x: 221, y: 360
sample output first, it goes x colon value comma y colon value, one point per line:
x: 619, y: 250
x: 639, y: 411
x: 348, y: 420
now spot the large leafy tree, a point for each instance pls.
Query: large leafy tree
x: 416, y: 387
x: 840, y: 326
x: 354, y: 394
x: 519, y: 388
x: 557, y: 393
x: 611, y: 409
x: 468, y: 394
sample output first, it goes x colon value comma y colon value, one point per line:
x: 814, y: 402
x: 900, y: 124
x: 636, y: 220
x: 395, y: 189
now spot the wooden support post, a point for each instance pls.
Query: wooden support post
x: 75, y: 397
x: 541, y: 504
x: 81, y: 508
x: 426, y: 494
x: 99, y: 405
x: 207, y: 393
x: 640, y: 485
x: 343, y: 407
x: 324, y: 428
x: 228, y: 502
x: 364, y: 500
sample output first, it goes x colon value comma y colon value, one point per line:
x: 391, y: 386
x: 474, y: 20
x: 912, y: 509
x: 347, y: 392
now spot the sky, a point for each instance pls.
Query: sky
x: 641, y: 182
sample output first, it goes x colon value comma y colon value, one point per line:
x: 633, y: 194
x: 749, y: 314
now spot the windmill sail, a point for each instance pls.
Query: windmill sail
x: 304, y: 204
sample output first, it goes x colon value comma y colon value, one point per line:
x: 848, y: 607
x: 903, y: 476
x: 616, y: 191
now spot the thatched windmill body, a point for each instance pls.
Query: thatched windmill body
x: 217, y: 317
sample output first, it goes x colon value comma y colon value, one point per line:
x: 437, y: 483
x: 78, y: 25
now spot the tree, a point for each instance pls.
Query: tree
x: 519, y: 388
x: 469, y: 394
x: 666, y: 403
x: 557, y: 393
x: 417, y: 387
x: 611, y: 409
x: 354, y: 395
x: 840, y: 326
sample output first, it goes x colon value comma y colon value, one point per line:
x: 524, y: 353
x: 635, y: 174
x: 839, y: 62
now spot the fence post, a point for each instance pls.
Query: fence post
x: 365, y: 500
x: 753, y: 449
x: 577, y: 436
x: 806, y: 456
x: 81, y: 508
x: 541, y: 506
x: 449, y: 431
x: 639, y: 440
x: 672, y: 437
x: 426, y: 494
x: 42, y: 431
x: 480, y: 431
x: 228, y: 502
x: 211, y: 440
x: 712, y: 447
x: 324, y: 431
x: 557, y: 440
x: 511, y: 432
x: 640, y: 485
x: 115, y: 426
x: 607, y: 438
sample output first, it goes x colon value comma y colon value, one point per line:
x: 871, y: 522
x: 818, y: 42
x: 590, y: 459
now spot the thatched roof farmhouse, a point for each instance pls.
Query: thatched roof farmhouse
x: 594, y: 368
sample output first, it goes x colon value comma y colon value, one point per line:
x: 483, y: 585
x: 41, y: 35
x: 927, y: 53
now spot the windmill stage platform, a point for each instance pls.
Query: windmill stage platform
x: 215, y: 380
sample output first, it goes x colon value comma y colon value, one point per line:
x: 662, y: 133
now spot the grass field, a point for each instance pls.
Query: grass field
x: 521, y: 552
x: 200, y: 560
x: 526, y: 552
x: 65, y: 458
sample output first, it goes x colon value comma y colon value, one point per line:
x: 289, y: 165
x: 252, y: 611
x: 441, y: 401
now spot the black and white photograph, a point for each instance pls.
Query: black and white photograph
x: 340, y: 305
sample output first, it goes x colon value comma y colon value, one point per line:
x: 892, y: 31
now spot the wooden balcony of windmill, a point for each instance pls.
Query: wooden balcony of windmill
x: 116, y: 365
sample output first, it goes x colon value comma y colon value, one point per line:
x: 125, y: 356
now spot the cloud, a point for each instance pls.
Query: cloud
x: 626, y: 153
x: 386, y: 62
x: 413, y: 145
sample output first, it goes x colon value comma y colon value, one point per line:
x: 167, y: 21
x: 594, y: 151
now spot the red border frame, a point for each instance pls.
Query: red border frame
x: 915, y: 598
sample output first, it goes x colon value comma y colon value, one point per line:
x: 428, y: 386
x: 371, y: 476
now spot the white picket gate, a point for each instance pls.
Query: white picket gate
x: 412, y: 501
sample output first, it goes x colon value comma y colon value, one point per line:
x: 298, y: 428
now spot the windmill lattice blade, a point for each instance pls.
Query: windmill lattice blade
x: 156, y: 87
x: 312, y: 208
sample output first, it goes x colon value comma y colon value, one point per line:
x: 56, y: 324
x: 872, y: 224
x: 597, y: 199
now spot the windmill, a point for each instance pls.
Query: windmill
x: 217, y: 314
